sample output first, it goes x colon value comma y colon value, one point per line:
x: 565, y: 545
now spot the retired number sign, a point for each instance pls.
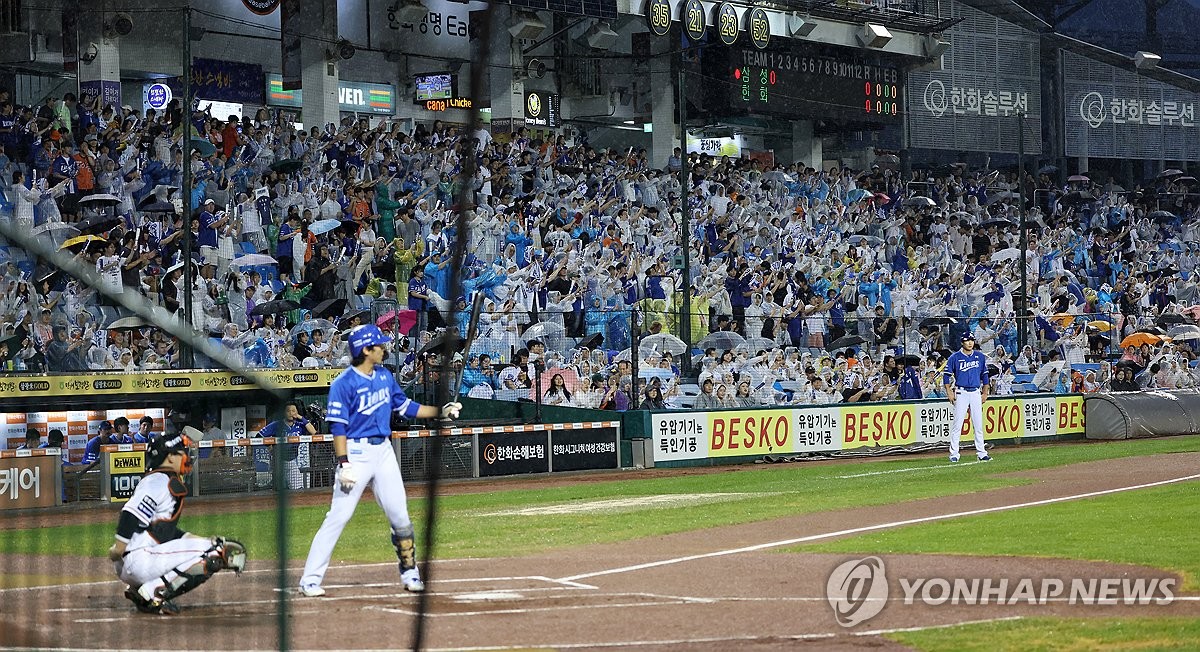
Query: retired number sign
x: 727, y: 23
x: 658, y: 15
x: 692, y: 15
x: 758, y: 26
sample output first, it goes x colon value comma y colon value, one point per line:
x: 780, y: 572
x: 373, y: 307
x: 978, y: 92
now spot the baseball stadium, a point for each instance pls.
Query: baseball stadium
x: 655, y: 325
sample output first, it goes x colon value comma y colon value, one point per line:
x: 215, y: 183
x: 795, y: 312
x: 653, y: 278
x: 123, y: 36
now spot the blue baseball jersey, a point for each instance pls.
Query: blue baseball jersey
x: 968, y: 370
x: 361, y: 406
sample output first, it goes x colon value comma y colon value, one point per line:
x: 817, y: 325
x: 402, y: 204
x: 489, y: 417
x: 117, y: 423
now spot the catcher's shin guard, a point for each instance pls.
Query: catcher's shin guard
x: 224, y: 554
x: 406, y: 548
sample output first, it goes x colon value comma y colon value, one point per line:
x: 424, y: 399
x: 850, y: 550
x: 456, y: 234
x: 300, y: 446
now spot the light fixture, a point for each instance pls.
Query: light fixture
x: 1146, y: 60
x: 526, y: 26
x: 799, y: 25
x: 628, y: 122
x: 601, y: 35
x: 873, y: 35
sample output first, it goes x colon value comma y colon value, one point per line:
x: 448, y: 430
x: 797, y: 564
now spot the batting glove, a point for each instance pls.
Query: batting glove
x: 451, y: 410
x: 346, y: 477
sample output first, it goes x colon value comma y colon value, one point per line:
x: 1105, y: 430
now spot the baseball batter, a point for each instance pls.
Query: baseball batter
x: 968, y: 369
x: 157, y: 560
x: 361, y: 400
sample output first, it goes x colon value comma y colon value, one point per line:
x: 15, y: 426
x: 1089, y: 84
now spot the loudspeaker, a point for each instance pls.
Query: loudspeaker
x: 934, y: 47
x: 874, y: 36
x: 121, y: 24
x: 800, y: 26
x: 601, y: 36
x: 1146, y: 60
x: 535, y: 69
x: 526, y: 26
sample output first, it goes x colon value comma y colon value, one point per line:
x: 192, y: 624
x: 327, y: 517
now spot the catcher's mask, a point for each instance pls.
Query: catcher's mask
x: 158, y: 451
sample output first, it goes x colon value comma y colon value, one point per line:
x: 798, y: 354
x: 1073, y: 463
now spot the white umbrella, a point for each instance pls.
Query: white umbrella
x: 1012, y: 253
x: 1184, y: 332
x: 664, y: 343
x: 101, y: 199
x: 127, y: 322
x: 253, y: 260
x: 53, y: 226
x: 755, y: 344
x: 323, y: 226
x: 542, y: 330
x: 721, y: 340
x: 919, y: 202
x: 310, y: 325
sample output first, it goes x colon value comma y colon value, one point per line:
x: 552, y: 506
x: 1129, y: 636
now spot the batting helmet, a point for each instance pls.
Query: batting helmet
x: 363, y: 336
x: 161, y: 448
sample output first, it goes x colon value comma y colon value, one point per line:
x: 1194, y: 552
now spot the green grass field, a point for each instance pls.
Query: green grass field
x: 1155, y: 527
x: 1060, y: 635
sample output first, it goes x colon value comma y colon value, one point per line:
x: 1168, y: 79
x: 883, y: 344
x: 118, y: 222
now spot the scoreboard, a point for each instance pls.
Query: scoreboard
x: 834, y: 83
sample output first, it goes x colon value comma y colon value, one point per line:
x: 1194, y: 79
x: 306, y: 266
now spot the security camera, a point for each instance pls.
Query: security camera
x: 89, y: 53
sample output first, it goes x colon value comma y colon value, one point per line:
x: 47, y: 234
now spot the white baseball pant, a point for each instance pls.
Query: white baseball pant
x: 371, y: 462
x: 152, y: 562
x: 964, y: 400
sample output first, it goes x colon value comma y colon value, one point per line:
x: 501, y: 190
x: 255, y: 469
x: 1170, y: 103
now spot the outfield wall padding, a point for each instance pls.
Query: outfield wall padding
x: 1136, y: 415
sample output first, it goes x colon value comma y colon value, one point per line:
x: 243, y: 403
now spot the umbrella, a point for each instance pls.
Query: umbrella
x: 858, y: 194
x: 81, y: 241
x: 310, y: 325
x: 329, y: 307
x: 1098, y: 229
x: 908, y: 360
x: 274, y: 307
x: 755, y: 344
x: 1012, y: 253
x: 1114, y: 188
x: 1187, y: 181
x: 127, y: 322
x: 1078, y: 178
x: 1152, y: 330
x: 98, y: 223
x: 287, y: 165
x: 362, y: 314
x: 439, y: 344
x: 402, y: 320
x: 1047, y: 169
x: 1184, y: 332
x: 205, y: 148
x: 1172, y: 172
x: 721, y: 340
x: 1063, y: 319
x: 1077, y: 197
x: 1165, y: 271
x: 101, y: 200
x: 844, y: 342
x: 937, y: 321
x: 323, y: 226
x: 1162, y: 216
x: 53, y: 226
x: 869, y: 240
x: 158, y: 207
x: 664, y: 343
x: 997, y: 222
x: 1138, y: 339
x: 1100, y: 325
x: 919, y: 202
x: 253, y: 260
x: 1171, y: 318
x: 543, y: 330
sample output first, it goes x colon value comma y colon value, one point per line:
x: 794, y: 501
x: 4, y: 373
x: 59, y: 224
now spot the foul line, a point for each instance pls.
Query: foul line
x: 906, y: 470
x: 870, y: 528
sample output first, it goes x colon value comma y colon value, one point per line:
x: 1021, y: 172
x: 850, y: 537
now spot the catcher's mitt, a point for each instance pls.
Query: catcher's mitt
x: 233, y: 553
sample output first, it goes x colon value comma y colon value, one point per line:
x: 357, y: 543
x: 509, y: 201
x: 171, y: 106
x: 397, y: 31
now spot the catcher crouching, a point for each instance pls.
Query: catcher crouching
x: 155, y: 558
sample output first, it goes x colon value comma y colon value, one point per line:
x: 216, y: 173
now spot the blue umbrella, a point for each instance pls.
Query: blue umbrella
x: 858, y: 194
x: 323, y: 226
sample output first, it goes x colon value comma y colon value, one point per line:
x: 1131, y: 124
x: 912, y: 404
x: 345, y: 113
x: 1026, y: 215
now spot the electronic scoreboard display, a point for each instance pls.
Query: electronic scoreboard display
x: 833, y: 83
